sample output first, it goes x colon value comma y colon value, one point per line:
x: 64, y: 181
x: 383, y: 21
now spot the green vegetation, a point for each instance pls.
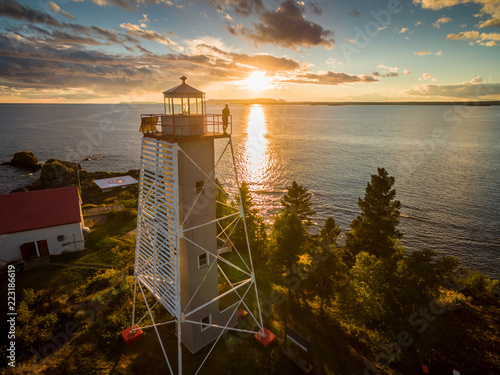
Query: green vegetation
x: 368, y: 306
x: 297, y: 199
x: 375, y: 231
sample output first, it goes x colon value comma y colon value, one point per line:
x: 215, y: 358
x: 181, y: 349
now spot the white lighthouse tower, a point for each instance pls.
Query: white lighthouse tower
x: 180, y: 240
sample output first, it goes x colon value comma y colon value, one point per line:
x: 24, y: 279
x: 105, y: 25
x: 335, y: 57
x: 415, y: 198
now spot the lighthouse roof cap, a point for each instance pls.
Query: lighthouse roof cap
x: 183, y: 89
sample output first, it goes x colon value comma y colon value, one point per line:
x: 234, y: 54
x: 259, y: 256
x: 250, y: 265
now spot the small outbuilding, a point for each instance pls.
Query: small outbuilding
x: 107, y: 184
x: 40, y: 223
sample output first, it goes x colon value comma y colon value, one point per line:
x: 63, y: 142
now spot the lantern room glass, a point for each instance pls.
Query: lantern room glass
x: 184, y: 106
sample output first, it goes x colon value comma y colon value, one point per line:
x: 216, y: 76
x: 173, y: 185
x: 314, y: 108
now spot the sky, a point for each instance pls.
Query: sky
x: 110, y: 51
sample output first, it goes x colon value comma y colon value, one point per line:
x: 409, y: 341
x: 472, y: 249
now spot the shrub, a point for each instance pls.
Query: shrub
x: 107, y: 244
x: 480, y: 287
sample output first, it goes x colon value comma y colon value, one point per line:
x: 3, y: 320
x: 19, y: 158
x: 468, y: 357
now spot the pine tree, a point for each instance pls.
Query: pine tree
x: 299, y: 200
x: 286, y: 241
x: 375, y: 229
x: 330, y: 231
x: 256, y: 227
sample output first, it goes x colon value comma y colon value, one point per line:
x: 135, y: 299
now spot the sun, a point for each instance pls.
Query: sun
x: 258, y: 81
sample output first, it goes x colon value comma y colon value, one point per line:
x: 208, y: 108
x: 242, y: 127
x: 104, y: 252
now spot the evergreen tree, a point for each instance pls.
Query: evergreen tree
x: 286, y: 242
x: 256, y: 228
x: 330, y: 231
x: 375, y: 229
x: 328, y: 274
x: 299, y: 200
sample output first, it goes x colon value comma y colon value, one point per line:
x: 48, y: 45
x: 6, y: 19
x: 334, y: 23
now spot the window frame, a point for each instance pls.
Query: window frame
x: 204, y: 328
x: 199, y: 189
x: 200, y: 262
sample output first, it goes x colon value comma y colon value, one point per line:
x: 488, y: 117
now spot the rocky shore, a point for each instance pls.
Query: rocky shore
x: 59, y: 173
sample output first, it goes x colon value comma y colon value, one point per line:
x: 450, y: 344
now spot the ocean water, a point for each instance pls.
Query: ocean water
x: 446, y: 160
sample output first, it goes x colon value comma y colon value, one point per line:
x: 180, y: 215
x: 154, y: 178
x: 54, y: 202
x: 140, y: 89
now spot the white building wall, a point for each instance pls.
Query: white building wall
x: 73, y: 240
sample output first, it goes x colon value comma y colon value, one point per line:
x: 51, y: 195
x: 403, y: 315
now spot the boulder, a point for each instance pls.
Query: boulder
x: 25, y: 160
x: 57, y: 173
x: 58, y: 170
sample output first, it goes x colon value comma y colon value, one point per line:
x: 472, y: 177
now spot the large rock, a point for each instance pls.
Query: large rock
x: 25, y: 160
x: 58, y: 170
x: 57, y: 173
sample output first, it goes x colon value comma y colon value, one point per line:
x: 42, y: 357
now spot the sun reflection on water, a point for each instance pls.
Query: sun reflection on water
x: 256, y: 146
x: 259, y: 164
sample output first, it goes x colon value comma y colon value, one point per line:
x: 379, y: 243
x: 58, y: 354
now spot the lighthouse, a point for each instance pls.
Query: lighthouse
x: 180, y: 241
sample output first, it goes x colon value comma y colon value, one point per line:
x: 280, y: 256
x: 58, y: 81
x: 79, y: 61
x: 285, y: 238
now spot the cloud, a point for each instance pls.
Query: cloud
x: 421, y: 53
x: 490, y: 23
x: 60, y: 64
x: 287, y: 27
x: 385, y: 75
x: 266, y: 62
x: 330, y: 78
x: 69, y: 35
x: 121, y: 3
x: 215, y: 48
x: 350, y: 40
x: 40, y: 68
x: 405, y: 72
x: 240, y: 7
x: 424, y: 77
x: 388, y: 68
x: 332, y: 61
x: 441, y: 21
x: 208, y: 45
x: 403, y: 30
x: 484, y: 39
x: 17, y: 11
x: 49, y: 68
x: 136, y: 31
x: 418, y: 23
x: 314, y: 8
x: 134, y: 4
x: 56, y: 8
x: 488, y: 7
x: 44, y: 58
x: 473, y: 90
x: 464, y: 35
x: 387, y: 71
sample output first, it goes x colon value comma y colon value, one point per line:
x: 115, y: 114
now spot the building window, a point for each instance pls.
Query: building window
x: 198, y: 186
x: 206, y: 320
x: 202, y: 260
x: 60, y: 237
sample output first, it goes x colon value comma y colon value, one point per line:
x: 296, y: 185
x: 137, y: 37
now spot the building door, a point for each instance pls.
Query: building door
x: 43, y: 248
x: 36, y: 249
x: 28, y: 250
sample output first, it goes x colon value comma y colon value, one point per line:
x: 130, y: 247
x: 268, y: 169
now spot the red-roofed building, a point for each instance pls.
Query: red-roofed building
x: 39, y: 223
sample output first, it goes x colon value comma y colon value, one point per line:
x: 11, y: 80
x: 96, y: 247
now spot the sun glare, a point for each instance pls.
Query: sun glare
x: 258, y: 81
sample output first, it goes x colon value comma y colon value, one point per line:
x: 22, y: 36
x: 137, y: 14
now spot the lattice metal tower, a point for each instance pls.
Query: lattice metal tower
x: 180, y: 239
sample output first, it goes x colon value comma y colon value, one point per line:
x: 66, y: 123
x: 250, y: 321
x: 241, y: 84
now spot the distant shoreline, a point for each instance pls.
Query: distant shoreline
x: 265, y: 101
x: 283, y: 102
